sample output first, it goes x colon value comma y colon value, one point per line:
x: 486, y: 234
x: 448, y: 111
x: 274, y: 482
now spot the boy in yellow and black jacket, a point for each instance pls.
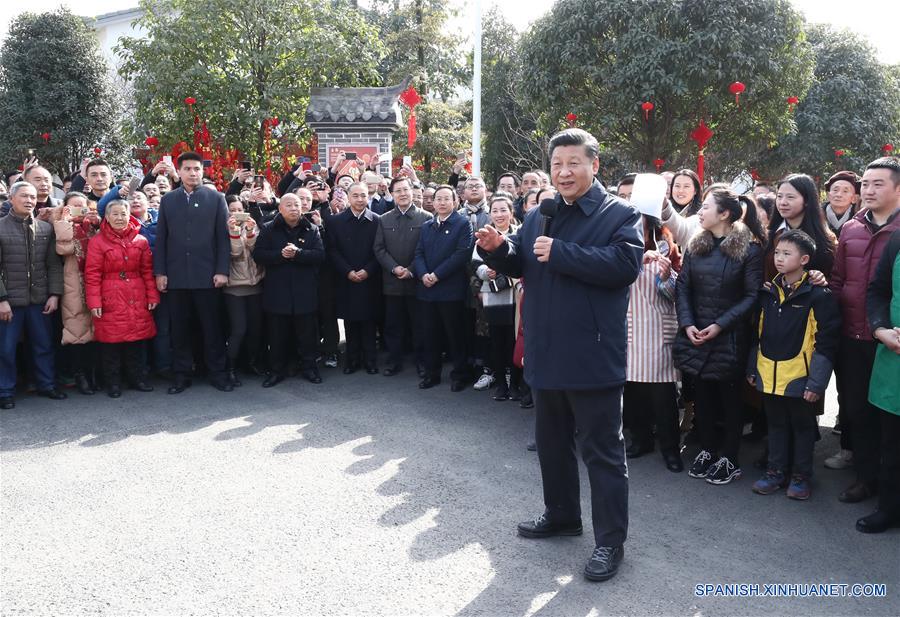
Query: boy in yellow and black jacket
x: 791, y: 362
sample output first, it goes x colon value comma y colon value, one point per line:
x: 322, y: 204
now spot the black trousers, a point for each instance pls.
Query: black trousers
x: 717, y: 401
x: 840, y: 379
x: 328, y: 323
x: 206, y: 303
x: 503, y: 343
x: 443, y: 322
x: 792, y: 422
x: 402, y: 320
x: 360, y: 343
x: 245, y: 326
x: 116, y: 356
x: 597, y: 414
x: 649, y: 404
x: 889, y: 483
x: 856, y: 360
x: 286, y: 330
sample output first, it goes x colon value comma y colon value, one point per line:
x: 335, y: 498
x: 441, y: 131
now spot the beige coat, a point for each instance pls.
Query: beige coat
x: 78, y: 328
x: 244, y: 271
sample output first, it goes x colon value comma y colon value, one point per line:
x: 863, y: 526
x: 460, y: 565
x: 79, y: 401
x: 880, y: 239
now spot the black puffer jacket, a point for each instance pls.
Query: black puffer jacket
x: 718, y: 283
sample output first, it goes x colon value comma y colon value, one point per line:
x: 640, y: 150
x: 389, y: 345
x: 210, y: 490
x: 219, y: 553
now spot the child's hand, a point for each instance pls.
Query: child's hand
x: 751, y: 379
x: 810, y: 397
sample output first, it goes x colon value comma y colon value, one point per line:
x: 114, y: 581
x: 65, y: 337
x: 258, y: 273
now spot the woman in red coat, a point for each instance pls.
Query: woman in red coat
x: 120, y: 291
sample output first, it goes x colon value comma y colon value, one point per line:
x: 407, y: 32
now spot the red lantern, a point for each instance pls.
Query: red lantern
x: 45, y: 137
x: 275, y: 121
x: 411, y: 98
x: 647, y: 106
x: 839, y: 153
x: 887, y: 148
x: 792, y: 100
x: 571, y: 118
x: 701, y: 135
x: 754, y: 175
x: 151, y: 142
x: 659, y: 163
x: 98, y: 150
x: 736, y: 89
x: 189, y: 101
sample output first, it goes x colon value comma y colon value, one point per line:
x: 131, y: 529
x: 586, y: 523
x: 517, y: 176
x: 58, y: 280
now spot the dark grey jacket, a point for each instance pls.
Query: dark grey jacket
x: 30, y: 269
x: 192, y: 242
x: 395, y: 245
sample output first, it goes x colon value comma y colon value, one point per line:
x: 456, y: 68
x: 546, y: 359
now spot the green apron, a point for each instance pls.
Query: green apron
x: 884, y: 389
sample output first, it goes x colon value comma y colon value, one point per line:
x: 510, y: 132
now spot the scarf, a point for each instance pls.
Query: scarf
x: 833, y: 221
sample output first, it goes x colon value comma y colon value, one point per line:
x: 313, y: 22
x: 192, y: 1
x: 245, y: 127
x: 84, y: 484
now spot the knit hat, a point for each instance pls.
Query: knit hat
x: 846, y: 176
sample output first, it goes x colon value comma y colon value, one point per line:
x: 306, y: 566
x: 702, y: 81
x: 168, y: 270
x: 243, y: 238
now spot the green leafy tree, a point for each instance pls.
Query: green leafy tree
x: 680, y: 55
x: 54, y: 80
x: 853, y: 106
x: 243, y: 61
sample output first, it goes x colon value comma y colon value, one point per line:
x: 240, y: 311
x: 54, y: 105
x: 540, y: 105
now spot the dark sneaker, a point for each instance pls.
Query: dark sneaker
x: 544, y: 527
x: 799, y: 487
x: 700, y: 466
x: 723, y: 472
x: 604, y: 563
x: 501, y: 392
x: 770, y: 483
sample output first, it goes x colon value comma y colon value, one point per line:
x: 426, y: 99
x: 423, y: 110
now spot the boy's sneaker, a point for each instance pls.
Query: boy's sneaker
x: 700, y: 466
x: 799, y: 487
x: 842, y: 460
x: 484, y: 382
x: 331, y: 360
x: 723, y: 472
x: 771, y: 482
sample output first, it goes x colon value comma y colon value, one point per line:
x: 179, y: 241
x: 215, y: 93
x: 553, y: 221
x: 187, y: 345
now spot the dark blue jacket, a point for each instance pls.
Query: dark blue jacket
x: 575, y: 305
x: 351, y: 246
x: 446, y: 252
x: 291, y: 285
x: 192, y: 242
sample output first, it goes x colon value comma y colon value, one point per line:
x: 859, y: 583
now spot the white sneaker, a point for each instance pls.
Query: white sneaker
x: 484, y: 382
x: 841, y: 460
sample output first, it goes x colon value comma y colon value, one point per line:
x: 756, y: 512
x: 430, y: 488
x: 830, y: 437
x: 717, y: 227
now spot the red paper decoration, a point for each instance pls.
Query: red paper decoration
x: 98, y: 150
x: 839, y: 153
x: 190, y: 101
x: 647, y: 106
x: 45, y: 137
x: 736, y: 89
x: 754, y: 175
x: 410, y: 98
x: 701, y: 135
x: 659, y: 163
x: 571, y: 118
x: 151, y: 142
x: 792, y: 100
x: 887, y: 148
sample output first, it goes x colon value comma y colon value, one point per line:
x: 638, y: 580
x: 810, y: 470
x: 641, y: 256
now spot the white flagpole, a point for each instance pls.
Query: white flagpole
x: 476, y: 95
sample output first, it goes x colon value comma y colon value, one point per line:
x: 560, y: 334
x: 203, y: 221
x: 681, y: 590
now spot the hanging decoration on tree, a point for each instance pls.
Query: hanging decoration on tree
x: 571, y: 119
x: 839, y: 153
x: 647, y: 106
x: 151, y: 142
x: 98, y: 150
x: 736, y: 89
x: 701, y: 134
x: 887, y: 148
x: 658, y: 163
x: 411, y: 98
x: 792, y: 102
x: 268, y: 125
x: 46, y: 137
x: 754, y: 175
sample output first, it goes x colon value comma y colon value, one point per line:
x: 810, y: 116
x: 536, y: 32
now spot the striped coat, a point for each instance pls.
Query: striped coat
x: 652, y: 326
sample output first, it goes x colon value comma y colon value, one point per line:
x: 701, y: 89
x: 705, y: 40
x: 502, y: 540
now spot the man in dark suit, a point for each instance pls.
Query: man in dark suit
x: 350, y: 247
x: 578, y: 270
x: 191, y: 264
x: 395, y: 248
x: 444, y: 251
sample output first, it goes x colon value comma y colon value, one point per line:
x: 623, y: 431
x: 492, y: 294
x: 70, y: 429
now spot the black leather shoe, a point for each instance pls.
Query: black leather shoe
x: 420, y: 371
x: 232, y: 378
x: 371, y: 369
x: 531, y: 446
x: 83, y: 385
x: 141, y: 386
x: 429, y: 382
x: 272, y: 380
x: 312, y: 375
x: 457, y: 386
x: 179, y: 385
x: 544, y: 527
x: 604, y: 563
x: 349, y: 369
x: 637, y: 450
x: 114, y: 391
x: 501, y: 392
x: 53, y: 394
x: 222, y: 385
x: 673, y: 462
x: 7, y: 402
x: 860, y: 491
x: 515, y: 394
x: 877, y: 522
x: 527, y: 402
x: 391, y: 370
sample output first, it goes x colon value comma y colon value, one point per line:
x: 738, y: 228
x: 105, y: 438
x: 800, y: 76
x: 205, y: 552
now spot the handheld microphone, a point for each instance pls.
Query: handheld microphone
x: 549, y: 208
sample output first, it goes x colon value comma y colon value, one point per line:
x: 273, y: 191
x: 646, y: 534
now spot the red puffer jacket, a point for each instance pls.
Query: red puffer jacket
x: 857, y: 255
x: 118, y: 278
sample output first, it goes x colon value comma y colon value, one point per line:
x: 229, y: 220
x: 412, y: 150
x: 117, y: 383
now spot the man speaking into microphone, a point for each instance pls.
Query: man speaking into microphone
x: 578, y: 266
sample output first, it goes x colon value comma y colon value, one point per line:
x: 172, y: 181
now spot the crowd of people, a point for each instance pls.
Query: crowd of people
x: 743, y: 306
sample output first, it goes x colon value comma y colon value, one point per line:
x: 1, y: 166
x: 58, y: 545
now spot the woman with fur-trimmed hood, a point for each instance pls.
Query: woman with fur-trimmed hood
x: 715, y: 292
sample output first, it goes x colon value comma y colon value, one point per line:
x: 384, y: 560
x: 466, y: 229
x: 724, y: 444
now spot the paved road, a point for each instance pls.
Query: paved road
x: 364, y: 496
